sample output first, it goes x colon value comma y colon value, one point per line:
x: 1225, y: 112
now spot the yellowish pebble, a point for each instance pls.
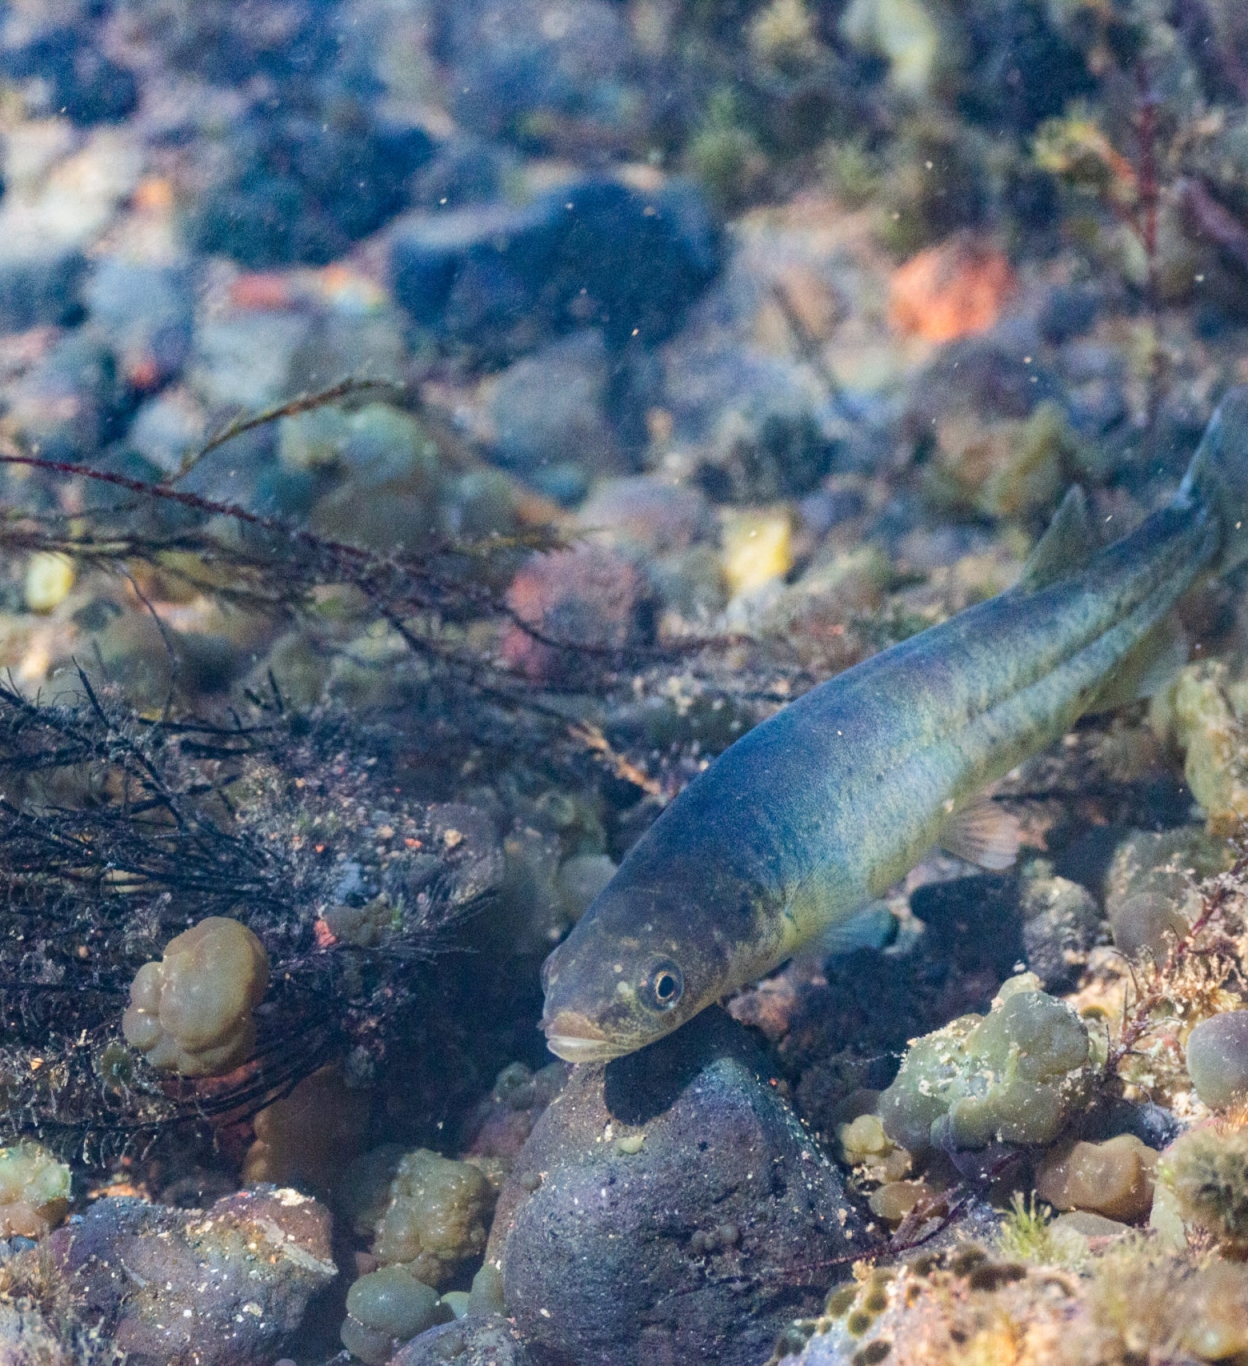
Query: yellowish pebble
x: 49, y: 577
x: 1214, y: 740
x: 758, y: 547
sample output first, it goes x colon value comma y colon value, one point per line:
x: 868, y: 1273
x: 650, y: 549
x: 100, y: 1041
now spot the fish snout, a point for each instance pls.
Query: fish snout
x: 575, y: 1038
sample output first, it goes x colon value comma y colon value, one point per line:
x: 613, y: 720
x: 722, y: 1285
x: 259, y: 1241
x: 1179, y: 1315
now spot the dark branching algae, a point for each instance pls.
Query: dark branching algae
x: 818, y: 810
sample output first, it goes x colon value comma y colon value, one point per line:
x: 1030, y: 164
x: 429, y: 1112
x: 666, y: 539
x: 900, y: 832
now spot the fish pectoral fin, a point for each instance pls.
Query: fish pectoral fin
x: 1064, y: 549
x: 873, y: 927
x: 1145, y: 670
x: 983, y: 833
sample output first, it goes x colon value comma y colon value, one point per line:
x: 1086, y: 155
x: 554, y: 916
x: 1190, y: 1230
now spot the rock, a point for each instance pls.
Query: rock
x: 1150, y: 892
x: 587, y: 596
x: 39, y: 281
x: 976, y: 920
x: 1061, y: 921
x: 478, y: 1340
x: 68, y: 405
x: 219, y: 41
x: 1217, y: 1059
x: 463, y: 170
x: 669, y: 1206
x: 1068, y: 311
x: 504, y: 1121
x: 522, y: 67
x: 79, y: 80
x: 144, y: 312
x: 1114, y: 1178
x: 244, y: 361
x: 590, y: 253
x: 549, y: 412
x: 53, y: 210
x: 168, y: 427
x: 26, y: 1339
x: 387, y: 1308
x: 279, y: 197
x: 757, y: 421
x: 646, y: 515
x: 173, y: 1287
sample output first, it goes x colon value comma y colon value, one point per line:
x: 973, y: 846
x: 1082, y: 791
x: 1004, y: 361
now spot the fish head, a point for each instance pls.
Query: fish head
x: 633, y: 969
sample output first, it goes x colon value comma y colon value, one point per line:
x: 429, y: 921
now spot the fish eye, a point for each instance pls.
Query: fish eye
x: 663, y: 985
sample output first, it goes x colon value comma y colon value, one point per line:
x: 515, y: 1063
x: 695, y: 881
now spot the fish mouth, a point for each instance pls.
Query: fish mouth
x: 574, y: 1038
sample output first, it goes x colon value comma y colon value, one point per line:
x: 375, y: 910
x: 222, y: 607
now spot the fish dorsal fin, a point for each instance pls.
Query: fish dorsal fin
x: 1064, y: 549
x: 983, y: 833
x: 1146, y: 669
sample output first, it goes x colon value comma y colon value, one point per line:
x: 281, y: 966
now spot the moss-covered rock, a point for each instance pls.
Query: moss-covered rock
x: 1015, y: 1075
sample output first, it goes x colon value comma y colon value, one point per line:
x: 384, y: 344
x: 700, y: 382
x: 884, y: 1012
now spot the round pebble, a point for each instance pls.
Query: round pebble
x: 49, y: 577
x: 1217, y: 1059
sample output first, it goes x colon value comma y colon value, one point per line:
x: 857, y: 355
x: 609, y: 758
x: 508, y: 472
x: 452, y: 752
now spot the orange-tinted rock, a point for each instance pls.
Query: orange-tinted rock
x: 587, y: 596
x: 951, y: 290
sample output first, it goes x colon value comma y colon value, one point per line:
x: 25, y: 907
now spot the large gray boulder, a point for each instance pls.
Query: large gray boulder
x: 669, y: 1206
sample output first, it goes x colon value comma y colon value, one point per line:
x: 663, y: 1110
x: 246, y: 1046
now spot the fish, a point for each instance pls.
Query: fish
x: 813, y: 814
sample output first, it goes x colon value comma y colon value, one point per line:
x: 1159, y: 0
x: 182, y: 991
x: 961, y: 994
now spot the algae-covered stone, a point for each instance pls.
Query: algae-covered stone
x: 1009, y: 469
x: 27, y: 1339
x: 190, y: 1013
x: 385, y: 1309
x: 758, y: 547
x: 437, y: 1217
x: 1015, y: 1075
x: 1208, y: 725
x: 1207, y: 1171
x: 1150, y: 889
x: 906, y: 33
x: 1061, y: 922
x: 34, y: 1191
x: 306, y: 1137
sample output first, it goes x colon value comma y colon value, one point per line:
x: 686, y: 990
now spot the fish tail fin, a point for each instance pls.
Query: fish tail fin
x: 1217, y: 478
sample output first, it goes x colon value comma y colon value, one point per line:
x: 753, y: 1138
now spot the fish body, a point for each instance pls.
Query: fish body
x: 823, y: 806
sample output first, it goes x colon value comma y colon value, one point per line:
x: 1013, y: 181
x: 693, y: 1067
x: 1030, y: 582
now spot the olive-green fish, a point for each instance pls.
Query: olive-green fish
x: 817, y: 811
